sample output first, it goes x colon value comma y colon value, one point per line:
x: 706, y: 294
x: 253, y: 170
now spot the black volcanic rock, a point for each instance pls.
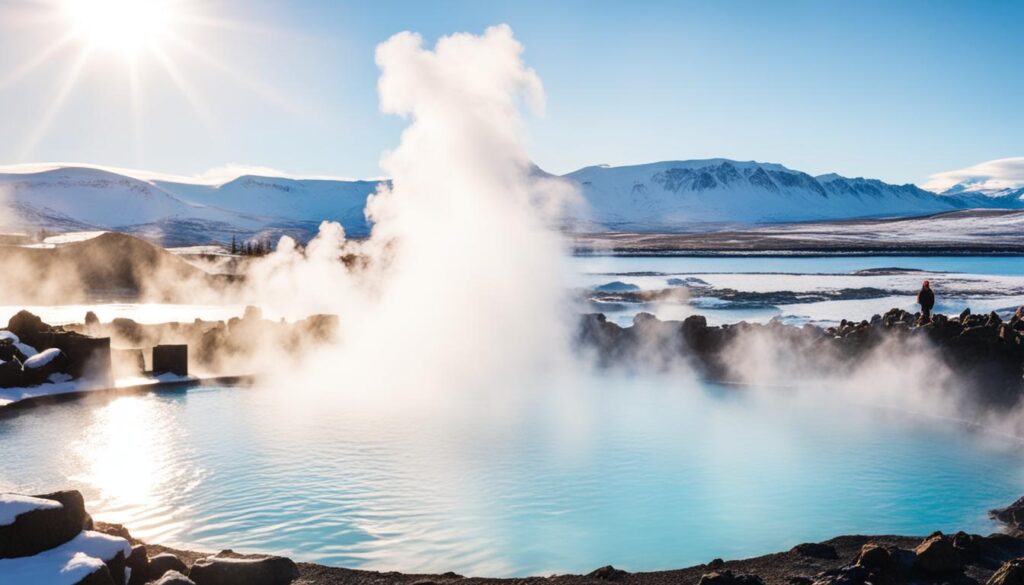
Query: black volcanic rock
x: 816, y: 550
x: 230, y: 571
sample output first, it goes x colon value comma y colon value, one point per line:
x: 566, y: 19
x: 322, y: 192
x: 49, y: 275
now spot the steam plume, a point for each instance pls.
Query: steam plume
x: 461, y: 280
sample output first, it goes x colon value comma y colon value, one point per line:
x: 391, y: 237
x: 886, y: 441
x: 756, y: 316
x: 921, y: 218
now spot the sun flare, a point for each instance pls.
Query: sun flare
x: 120, y: 25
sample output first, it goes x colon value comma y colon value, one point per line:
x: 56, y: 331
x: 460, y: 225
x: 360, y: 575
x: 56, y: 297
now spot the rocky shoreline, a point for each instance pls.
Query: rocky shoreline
x: 36, y: 526
x: 985, y: 352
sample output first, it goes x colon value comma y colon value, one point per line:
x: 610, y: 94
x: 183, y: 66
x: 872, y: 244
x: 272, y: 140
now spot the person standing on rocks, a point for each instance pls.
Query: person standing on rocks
x: 926, y: 298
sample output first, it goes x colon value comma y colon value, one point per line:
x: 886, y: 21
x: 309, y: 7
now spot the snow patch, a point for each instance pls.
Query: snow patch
x: 9, y: 335
x: 66, y: 564
x: 42, y: 358
x: 71, y: 237
x: 26, y: 349
x: 14, y: 505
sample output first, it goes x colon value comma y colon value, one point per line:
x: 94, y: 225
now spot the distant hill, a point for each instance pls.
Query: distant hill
x: 673, y: 196
x: 107, y: 265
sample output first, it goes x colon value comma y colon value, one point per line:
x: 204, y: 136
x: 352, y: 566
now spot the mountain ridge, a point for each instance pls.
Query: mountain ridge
x: 675, y: 195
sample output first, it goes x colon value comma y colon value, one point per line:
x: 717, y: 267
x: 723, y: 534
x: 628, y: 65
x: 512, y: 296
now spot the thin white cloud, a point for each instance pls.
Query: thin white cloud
x: 986, y: 177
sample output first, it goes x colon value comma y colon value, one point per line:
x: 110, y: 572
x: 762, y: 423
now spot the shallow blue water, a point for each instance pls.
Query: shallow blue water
x: 644, y: 474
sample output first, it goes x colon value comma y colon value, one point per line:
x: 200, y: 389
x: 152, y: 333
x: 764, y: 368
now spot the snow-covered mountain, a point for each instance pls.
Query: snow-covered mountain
x: 971, y: 188
x: 678, y: 195
x: 664, y: 196
x: 179, y: 213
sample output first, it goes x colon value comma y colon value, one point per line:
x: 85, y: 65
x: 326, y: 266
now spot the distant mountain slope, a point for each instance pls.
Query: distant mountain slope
x: 665, y: 196
x: 291, y: 199
x: 177, y: 213
x: 675, y: 195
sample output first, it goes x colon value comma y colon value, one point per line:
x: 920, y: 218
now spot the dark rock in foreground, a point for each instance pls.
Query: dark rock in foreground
x: 174, y: 578
x: 228, y: 571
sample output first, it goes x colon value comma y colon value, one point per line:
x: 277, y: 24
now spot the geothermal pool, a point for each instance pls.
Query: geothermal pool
x: 649, y: 473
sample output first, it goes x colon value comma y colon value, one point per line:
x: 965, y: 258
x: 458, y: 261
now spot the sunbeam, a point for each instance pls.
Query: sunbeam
x: 58, y: 101
x: 127, y: 38
x: 39, y: 59
x: 186, y: 89
x: 264, y: 91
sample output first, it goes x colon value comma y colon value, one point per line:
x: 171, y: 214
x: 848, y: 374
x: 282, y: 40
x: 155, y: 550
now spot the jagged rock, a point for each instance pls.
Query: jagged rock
x: 936, y: 555
x: 728, y: 578
x: 965, y: 314
x: 993, y: 320
x: 1012, y: 515
x: 100, y: 576
x: 816, y: 550
x: 11, y: 374
x: 44, y: 528
x: 228, y: 571
x: 1010, y: 573
x: 874, y: 556
x: 27, y: 326
x: 175, y: 578
x: 608, y: 573
x: 851, y: 575
x: 127, y: 331
x: 138, y: 562
x: 163, y: 562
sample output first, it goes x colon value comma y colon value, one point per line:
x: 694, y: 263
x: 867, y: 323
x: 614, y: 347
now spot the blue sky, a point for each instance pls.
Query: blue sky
x: 893, y: 90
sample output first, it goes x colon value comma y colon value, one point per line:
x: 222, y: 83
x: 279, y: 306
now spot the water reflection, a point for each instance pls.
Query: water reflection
x: 134, y: 461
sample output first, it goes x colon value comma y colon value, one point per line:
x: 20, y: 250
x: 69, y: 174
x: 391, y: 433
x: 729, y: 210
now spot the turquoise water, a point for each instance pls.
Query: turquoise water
x: 645, y: 474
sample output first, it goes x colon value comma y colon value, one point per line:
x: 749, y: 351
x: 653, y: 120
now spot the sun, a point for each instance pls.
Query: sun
x: 124, y: 26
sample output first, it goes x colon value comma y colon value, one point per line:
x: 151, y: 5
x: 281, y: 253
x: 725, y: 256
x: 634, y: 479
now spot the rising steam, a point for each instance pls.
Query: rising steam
x: 460, y: 284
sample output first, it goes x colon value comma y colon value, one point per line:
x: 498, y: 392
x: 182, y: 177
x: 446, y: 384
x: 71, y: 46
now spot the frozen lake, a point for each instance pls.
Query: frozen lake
x: 644, y: 474
x: 983, y: 283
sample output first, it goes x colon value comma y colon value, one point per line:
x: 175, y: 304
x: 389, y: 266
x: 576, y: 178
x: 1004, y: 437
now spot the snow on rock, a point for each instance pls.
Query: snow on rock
x: 12, y: 395
x: 58, y: 384
x: 42, y: 358
x: 13, y: 505
x: 66, y: 564
x: 26, y: 349
x: 9, y: 336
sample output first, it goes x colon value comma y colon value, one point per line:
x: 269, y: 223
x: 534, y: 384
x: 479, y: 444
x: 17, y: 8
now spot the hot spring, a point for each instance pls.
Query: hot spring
x: 644, y: 473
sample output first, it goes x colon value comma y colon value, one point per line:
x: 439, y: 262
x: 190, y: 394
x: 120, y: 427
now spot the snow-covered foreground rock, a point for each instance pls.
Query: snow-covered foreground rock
x: 664, y: 196
x: 48, y: 540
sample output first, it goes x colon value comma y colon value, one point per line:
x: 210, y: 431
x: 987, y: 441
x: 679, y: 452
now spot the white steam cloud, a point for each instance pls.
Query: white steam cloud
x: 460, y: 284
